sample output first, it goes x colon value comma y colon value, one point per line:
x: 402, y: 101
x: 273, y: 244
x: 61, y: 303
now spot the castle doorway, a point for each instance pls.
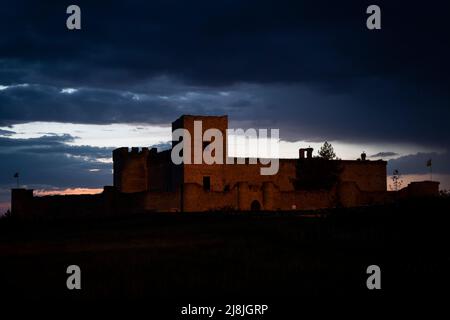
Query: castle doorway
x: 255, y: 206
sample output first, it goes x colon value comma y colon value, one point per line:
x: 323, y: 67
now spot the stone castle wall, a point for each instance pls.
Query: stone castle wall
x: 370, y: 176
x: 146, y: 180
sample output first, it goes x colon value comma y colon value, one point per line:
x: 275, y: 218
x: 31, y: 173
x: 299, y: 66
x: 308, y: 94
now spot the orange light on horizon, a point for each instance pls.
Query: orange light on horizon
x: 443, y: 179
x: 69, y: 191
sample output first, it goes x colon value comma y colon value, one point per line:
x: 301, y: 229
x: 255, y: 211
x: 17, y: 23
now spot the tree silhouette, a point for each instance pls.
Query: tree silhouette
x: 327, y: 151
x: 6, y: 215
x: 396, y: 180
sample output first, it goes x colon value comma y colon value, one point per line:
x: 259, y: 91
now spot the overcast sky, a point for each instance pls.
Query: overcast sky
x: 310, y: 68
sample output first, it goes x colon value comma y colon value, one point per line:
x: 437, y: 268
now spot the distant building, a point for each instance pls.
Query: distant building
x: 146, y: 180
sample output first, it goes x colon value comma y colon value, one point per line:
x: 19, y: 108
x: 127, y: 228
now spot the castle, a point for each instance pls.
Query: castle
x: 146, y: 180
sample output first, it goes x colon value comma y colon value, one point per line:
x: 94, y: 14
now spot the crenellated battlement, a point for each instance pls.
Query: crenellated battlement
x: 125, y: 151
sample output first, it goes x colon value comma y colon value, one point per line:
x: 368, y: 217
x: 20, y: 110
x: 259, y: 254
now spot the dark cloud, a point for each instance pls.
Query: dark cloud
x: 417, y: 163
x: 47, y: 103
x: 49, y: 160
x: 162, y: 104
x: 384, y: 154
x: 217, y: 43
x: 6, y: 133
x: 316, y: 71
x: 51, y: 145
x: 299, y: 111
x: 310, y: 68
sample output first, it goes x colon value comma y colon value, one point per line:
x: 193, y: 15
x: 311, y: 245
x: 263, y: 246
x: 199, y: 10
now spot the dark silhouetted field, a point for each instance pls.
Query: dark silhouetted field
x: 216, y: 255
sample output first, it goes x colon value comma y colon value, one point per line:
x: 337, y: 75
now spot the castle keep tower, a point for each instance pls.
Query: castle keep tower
x: 189, y: 122
x: 209, y: 177
x: 130, y: 169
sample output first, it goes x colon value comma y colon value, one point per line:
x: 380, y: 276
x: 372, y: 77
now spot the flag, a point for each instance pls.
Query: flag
x: 429, y: 163
x: 16, y: 175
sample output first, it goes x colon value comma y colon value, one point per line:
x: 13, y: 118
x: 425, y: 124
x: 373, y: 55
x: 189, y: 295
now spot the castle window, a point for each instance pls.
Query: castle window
x: 207, y: 183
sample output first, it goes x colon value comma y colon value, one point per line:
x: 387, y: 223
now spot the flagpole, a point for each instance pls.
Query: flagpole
x: 16, y: 175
